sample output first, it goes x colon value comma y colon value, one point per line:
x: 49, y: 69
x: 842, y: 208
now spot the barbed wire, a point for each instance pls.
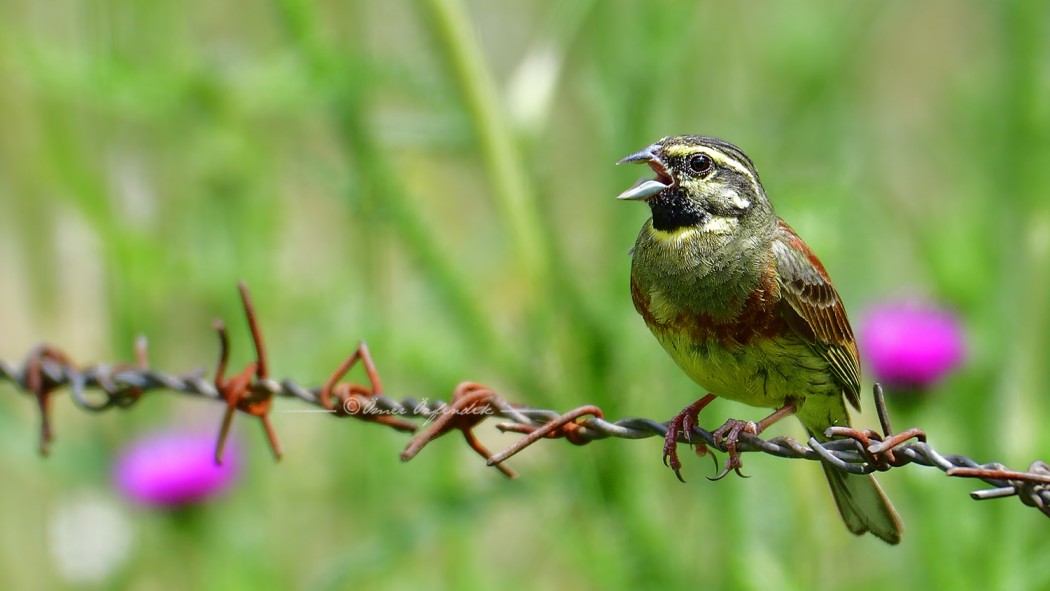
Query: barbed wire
x: 99, y: 388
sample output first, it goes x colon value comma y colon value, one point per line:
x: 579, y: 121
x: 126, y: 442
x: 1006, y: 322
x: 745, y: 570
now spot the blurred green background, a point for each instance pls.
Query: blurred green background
x: 436, y: 177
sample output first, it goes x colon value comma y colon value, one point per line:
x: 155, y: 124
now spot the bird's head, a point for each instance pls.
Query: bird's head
x: 701, y: 182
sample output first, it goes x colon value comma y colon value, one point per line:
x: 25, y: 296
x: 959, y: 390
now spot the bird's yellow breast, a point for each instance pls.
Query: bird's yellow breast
x: 764, y: 373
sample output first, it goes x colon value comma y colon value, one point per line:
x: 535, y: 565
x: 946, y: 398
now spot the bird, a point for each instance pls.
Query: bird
x: 746, y: 310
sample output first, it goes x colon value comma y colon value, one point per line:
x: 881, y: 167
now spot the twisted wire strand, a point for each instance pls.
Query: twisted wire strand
x: 102, y: 387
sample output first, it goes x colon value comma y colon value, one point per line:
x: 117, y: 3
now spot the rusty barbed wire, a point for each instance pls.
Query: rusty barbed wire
x: 251, y: 391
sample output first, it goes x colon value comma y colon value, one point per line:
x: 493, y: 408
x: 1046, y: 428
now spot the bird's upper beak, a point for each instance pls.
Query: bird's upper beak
x: 646, y: 188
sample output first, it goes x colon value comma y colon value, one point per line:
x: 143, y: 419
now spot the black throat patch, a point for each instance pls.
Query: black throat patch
x: 672, y: 211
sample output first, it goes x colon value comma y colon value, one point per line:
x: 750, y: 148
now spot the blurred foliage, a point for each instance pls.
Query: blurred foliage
x: 436, y: 177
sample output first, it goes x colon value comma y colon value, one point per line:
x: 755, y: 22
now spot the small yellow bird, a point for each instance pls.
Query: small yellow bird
x: 745, y: 309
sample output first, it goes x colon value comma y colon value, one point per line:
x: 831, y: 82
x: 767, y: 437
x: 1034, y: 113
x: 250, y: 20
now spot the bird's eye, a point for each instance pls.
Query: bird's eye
x: 701, y: 164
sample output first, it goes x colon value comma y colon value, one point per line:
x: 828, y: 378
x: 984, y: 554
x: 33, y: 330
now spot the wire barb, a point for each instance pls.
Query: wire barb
x: 471, y: 403
x: 241, y: 392
x: 47, y: 369
x: 1032, y: 486
x: 565, y: 426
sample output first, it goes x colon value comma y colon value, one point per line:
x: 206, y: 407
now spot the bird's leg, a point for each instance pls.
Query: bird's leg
x: 729, y: 433
x: 684, y: 422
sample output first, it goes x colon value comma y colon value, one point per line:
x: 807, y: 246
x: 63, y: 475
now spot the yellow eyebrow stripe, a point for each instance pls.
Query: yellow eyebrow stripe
x: 683, y: 150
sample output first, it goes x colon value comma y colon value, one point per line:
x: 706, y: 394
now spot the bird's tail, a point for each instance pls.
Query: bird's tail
x: 861, y: 502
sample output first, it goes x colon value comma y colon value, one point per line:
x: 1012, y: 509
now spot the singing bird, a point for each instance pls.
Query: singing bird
x: 746, y: 309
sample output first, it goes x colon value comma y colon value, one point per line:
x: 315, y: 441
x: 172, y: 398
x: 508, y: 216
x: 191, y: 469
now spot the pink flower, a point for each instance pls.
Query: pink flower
x: 172, y: 469
x: 911, y: 344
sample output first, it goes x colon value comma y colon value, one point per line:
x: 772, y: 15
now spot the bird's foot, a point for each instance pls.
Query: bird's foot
x: 683, y: 423
x: 727, y: 435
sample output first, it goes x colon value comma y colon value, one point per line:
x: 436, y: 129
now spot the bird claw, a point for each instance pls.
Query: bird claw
x: 684, y: 422
x: 725, y: 472
x: 727, y: 436
x: 680, y: 423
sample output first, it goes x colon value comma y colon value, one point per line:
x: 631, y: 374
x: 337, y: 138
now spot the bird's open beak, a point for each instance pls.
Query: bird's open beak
x: 646, y: 188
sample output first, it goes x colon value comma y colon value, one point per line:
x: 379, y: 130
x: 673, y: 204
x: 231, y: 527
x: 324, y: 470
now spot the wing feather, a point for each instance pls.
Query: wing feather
x: 813, y: 309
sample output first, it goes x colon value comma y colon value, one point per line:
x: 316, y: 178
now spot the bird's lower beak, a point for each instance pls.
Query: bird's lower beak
x: 646, y: 188
x: 642, y: 190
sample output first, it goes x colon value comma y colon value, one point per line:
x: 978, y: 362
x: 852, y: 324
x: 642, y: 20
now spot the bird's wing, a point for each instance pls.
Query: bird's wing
x: 812, y: 308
